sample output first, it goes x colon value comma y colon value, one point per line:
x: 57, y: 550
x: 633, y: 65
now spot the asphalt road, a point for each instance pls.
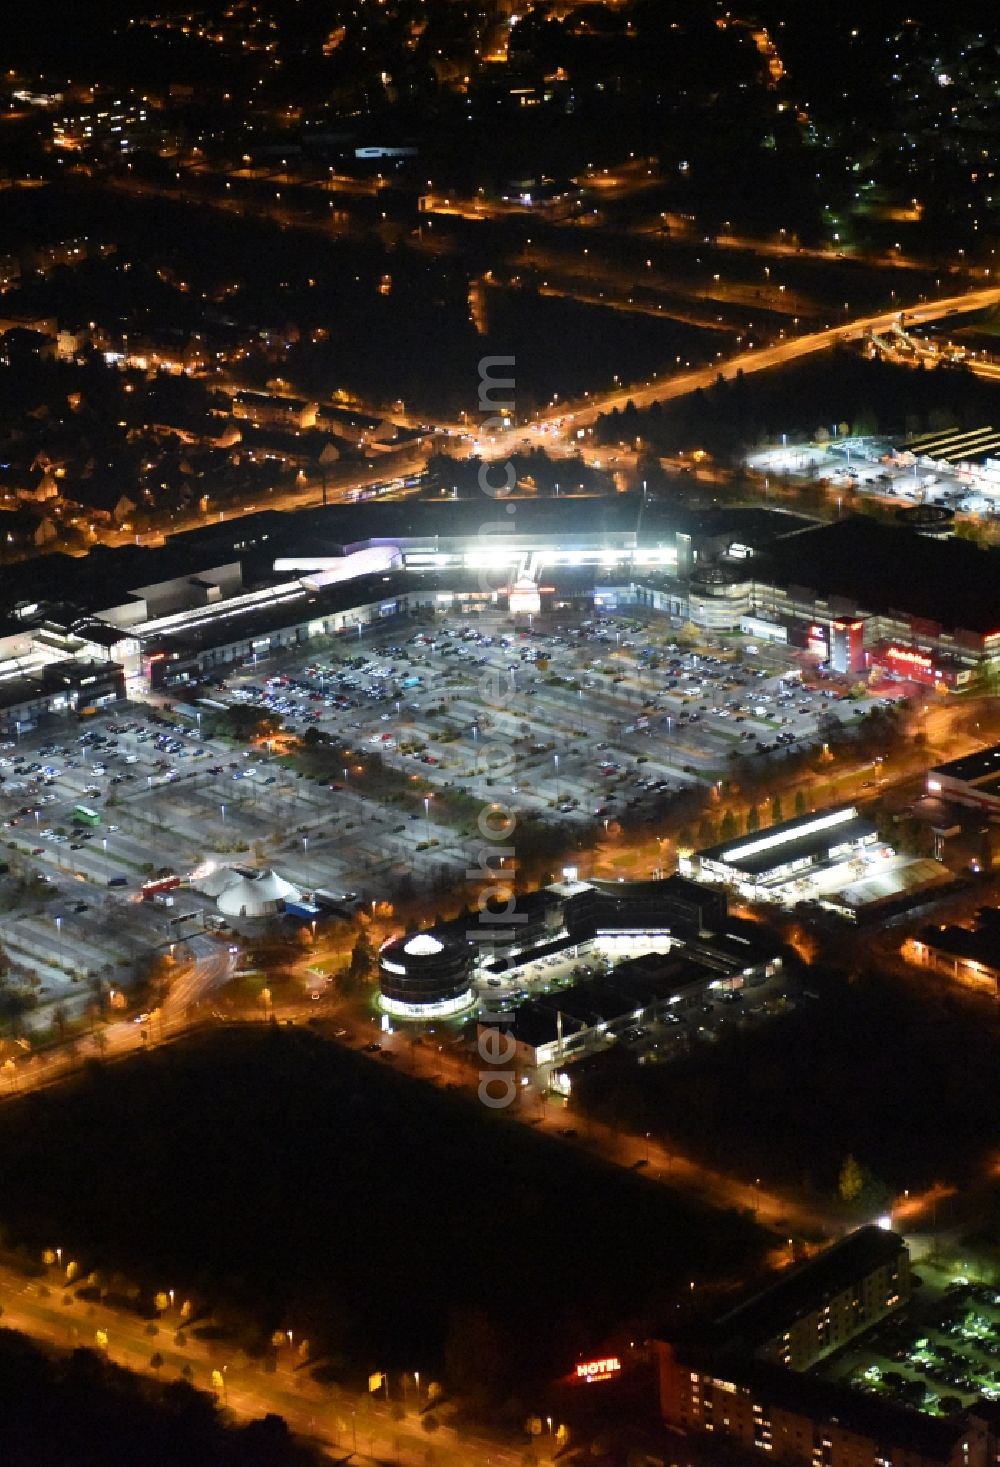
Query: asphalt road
x: 644, y: 393
x: 347, y: 1426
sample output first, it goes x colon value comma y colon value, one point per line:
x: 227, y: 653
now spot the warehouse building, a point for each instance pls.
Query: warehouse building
x: 767, y: 864
x: 37, y: 690
x: 972, y: 780
x: 971, y: 955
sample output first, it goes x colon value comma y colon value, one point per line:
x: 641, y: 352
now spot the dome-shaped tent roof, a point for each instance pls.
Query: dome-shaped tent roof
x: 213, y: 881
x: 256, y: 893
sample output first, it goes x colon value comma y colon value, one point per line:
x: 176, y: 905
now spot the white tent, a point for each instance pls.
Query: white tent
x: 213, y: 880
x: 255, y: 892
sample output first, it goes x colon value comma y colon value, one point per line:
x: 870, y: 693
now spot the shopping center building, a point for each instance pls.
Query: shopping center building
x: 855, y: 594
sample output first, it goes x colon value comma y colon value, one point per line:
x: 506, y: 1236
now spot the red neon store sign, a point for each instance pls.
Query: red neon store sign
x: 916, y: 659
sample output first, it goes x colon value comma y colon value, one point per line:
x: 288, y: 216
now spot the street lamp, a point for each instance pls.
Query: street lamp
x: 427, y: 814
x: 556, y: 760
x: 223, y: 809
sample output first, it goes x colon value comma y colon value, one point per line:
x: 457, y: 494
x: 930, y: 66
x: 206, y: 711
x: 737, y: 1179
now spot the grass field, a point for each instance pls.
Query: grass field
x: 305, y: 1184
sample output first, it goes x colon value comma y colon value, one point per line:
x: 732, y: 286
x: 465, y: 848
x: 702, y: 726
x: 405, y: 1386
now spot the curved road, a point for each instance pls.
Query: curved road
x: 790, y: 350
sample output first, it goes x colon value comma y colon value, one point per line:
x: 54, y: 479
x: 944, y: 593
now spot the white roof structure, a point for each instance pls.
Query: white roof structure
x: 423, y: 945
x: 213, y: 880
x: 255, y: 892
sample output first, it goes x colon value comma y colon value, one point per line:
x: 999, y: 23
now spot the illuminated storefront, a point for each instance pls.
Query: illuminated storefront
x: 909, y: 664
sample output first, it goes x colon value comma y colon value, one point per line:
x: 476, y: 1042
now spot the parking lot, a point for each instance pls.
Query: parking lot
x: 426, y: 724
x: 869, y: 466
x: 942, y: 1353
x: 579, y: 721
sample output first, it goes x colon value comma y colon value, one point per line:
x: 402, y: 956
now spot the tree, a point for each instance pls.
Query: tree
x: 247, y: 722
x: 269, y: 1438
x: 728, y: 825
x: 477, y: 1355
x: 800, y: 802
x: 851, y: 1182
x: 753, y: 820
x: 362, y: 958
x: 777, y: 814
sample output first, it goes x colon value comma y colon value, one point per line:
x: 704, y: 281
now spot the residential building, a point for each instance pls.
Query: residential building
x: 740, y: 1374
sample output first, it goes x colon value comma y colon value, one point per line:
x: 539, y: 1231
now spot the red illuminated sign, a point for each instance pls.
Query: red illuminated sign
x: 902, y: 654
x: 599, y: 1369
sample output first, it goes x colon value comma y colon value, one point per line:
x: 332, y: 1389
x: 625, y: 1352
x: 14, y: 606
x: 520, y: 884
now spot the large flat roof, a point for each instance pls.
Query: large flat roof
x: 971, y: 768
x: 889, y: 569
x: 233, y: 621
x: 791, y: 840
x: 633, y: 985
x: 104, y: 577
x: 327, y: 529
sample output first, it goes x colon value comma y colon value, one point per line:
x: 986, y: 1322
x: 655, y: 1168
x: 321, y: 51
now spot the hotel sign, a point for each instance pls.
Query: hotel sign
x: 591, y: 1370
